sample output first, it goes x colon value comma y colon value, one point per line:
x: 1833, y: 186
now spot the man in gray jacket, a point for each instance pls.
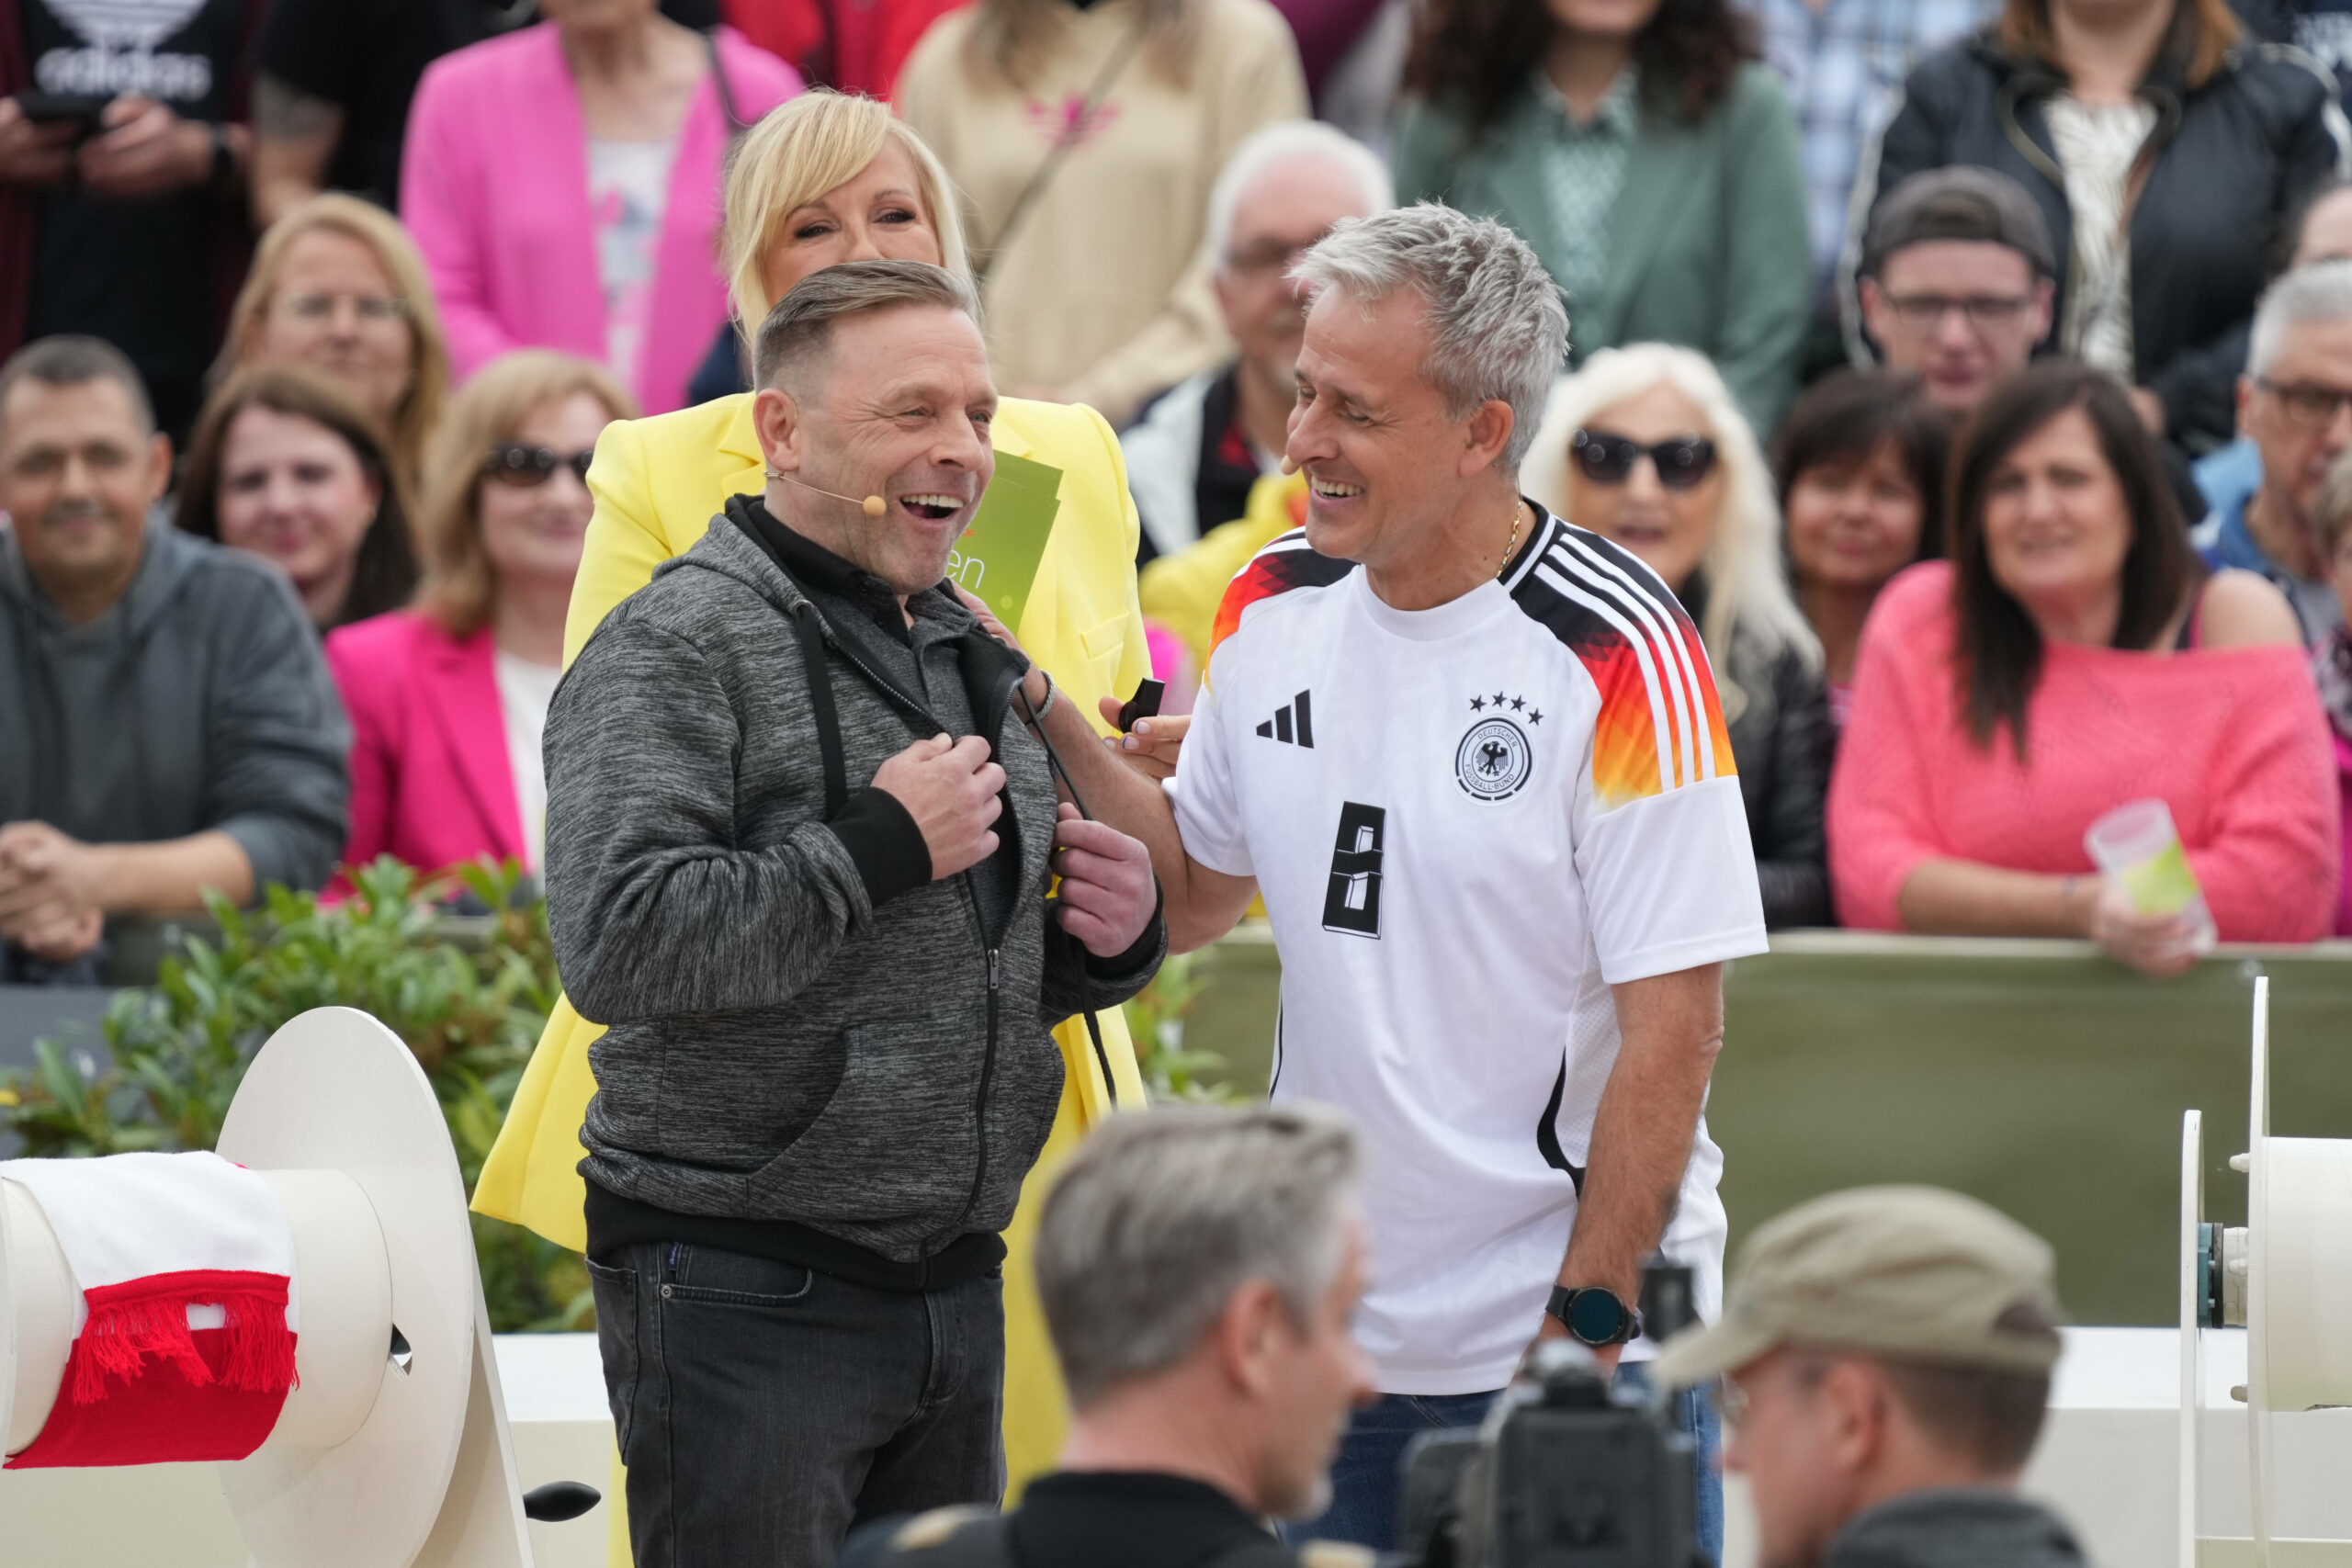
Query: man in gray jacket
x: 798, y: 843
x: 167, y: 722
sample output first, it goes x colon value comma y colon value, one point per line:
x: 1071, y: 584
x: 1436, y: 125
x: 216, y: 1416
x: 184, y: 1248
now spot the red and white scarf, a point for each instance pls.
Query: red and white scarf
x: 184, y: 1337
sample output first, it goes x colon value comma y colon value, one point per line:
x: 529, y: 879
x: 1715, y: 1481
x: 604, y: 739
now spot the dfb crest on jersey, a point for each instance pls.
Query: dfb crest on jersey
x: 1494, y: 758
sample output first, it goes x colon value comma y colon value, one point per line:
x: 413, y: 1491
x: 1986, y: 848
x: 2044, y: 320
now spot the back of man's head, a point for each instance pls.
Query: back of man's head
x: 798, y: 334
x: 1878, y: 1343
x: 1165, y: 1230
x: 1159, y: 1219
x: 70, y: 359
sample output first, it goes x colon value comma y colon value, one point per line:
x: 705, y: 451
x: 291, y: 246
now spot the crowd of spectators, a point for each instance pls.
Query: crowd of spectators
x: 1977, y: 373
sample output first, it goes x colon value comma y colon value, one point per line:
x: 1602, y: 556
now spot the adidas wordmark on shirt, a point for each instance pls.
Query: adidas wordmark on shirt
x: 1467, y: 823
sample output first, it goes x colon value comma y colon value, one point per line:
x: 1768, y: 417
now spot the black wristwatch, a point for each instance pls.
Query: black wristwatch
x: 1594, y: 1314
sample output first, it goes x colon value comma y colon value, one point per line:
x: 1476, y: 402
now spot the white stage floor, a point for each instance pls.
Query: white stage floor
x: 2107, y: 1462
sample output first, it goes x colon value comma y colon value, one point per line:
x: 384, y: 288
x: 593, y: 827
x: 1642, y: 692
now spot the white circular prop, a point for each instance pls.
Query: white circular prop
x: 35, y: 1278
x: 7, y: 1330
x: 336, y: 1114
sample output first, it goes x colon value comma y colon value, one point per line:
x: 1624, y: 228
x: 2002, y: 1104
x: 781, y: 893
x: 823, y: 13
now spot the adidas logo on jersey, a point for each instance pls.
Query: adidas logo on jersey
x: 1292, y: 724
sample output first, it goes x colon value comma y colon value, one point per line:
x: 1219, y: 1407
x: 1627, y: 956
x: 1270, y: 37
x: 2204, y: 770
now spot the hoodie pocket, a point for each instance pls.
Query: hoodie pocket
x: 899, y: 1140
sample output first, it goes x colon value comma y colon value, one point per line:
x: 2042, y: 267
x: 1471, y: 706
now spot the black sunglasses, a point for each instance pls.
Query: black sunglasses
x: 522, y: 466
x: 1607, y: 458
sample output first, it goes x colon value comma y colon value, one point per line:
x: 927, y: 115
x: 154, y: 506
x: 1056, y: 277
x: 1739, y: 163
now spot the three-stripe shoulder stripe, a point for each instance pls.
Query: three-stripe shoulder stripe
x: 1605, y: 605
x: 1287, y: 563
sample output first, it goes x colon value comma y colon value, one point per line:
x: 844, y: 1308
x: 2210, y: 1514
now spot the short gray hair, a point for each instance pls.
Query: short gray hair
x: 1498, y: 329
x: 1159, y: 1218
x: 801, y: 324
x: 70, y: 359
x: 1292, y: 141
x: 2316, y: 294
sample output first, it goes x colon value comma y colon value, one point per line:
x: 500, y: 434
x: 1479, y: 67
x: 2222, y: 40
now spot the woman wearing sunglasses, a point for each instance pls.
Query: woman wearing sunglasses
x: 1646, y: 447
x: 447, y: 697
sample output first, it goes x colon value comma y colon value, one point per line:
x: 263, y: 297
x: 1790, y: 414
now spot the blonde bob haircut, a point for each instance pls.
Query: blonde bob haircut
x: 801, y: 149
x: 420, y: 406
x: 460, y: 586
x: 1748, y: 588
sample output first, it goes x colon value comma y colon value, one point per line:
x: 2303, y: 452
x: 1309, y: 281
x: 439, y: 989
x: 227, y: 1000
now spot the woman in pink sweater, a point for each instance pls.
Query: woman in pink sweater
x: 2069, y: 657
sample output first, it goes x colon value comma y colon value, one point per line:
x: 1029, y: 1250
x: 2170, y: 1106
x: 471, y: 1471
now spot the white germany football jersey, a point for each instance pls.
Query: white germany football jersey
x: 1467, y: 823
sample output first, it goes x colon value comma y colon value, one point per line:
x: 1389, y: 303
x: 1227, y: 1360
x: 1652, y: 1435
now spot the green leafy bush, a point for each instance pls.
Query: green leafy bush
x: 1156, y: 1020
x: 469, y: 997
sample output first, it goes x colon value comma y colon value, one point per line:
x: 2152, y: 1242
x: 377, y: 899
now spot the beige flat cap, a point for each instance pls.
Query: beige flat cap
x: 1914, y: 1273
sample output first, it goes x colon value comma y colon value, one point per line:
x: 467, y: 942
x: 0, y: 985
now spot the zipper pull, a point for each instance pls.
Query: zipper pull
x: 996, y: 968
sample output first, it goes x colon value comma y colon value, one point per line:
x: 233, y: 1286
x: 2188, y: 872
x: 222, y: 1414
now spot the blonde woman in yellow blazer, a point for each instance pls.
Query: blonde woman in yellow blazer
x: 824, y: 179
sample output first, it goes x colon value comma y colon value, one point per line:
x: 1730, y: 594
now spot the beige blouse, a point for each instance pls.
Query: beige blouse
x: 1100, y: 293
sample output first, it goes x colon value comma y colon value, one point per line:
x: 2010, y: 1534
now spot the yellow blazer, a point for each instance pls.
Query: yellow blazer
x: 658, y: 482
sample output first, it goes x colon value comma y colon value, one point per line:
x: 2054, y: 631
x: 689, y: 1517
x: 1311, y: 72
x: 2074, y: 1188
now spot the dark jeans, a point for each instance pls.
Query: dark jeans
x: 1364, y: 1490
x: 764, y: 1410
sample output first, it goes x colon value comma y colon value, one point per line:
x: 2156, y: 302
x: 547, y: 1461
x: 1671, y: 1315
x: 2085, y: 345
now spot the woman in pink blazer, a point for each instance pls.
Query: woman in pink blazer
x: 447, y: 698
x: 563, y: 185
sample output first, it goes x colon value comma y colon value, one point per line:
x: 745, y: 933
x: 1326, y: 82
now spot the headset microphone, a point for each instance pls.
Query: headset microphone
x: 873, y: 505
x: 1289, y: 468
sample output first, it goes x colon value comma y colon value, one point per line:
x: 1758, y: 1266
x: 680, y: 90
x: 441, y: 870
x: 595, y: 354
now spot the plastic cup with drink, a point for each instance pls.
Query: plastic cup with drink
x: 2137, y: 849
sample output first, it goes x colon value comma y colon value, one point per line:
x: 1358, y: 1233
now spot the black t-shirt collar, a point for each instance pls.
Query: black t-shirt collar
x: 817, y: 568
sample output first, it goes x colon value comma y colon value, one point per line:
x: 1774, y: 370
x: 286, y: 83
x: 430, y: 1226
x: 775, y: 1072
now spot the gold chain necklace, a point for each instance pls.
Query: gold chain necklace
x: 1504, y: 565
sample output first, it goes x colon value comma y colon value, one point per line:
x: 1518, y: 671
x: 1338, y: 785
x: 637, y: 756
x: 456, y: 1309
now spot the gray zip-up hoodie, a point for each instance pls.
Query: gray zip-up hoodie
x: 199, y: 702
x: 780, y: 1045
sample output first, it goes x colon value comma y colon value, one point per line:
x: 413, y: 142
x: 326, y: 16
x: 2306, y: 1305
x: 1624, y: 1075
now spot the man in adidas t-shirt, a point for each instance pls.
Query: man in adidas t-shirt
x: 1472, y: 757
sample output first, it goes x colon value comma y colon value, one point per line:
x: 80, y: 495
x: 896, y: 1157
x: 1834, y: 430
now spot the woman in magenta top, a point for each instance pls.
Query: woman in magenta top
x: 563, y: 183
x: 447, y: 698
x: 2070, y: 656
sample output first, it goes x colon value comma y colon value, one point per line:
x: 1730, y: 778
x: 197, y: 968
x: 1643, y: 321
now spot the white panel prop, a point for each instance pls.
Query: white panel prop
x: 2287, y: 1278
x: 393, y: 1451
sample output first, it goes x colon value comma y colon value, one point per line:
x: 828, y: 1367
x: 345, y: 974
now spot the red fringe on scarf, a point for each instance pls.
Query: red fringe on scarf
x: 145, y: 1317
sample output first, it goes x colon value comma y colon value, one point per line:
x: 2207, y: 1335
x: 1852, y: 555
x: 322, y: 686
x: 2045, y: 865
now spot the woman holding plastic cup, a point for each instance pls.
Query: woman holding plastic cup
x: 2071, y: 658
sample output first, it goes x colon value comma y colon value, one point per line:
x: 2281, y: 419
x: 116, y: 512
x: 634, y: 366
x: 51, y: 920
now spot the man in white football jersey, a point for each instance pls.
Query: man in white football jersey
x: 1472, y: 758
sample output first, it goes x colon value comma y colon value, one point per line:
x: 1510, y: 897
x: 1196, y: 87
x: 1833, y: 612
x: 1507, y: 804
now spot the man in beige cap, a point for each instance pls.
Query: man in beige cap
x: 1884, y: 1356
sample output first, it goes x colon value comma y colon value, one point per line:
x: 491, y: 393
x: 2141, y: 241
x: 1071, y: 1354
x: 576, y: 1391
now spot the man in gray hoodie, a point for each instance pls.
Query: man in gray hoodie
x: 800, y: 836
x: 167, y: 724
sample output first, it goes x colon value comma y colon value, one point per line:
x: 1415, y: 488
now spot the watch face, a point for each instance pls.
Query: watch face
x: 1596, y: 1316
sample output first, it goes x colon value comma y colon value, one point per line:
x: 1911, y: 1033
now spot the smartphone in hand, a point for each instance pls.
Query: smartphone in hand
x: 83, y: 109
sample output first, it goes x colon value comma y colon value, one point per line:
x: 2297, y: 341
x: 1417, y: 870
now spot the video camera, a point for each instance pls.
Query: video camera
x: 1566, y: 1471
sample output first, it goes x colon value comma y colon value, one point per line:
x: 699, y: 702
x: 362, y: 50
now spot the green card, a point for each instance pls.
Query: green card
x: 996, y: 560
